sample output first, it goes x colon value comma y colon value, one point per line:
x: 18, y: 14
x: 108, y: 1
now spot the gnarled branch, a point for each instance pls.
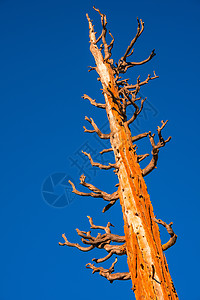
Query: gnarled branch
x: 95, y: 164
x: 112, y: 249
x: 123, y: 65
x: 173, y: 236
x: 100, y: 241
x: 161, y: 143
x: 67, y: 243
x: 93, y: 102
x: 92, y: 226
x: 96, y: 193
x: 104, y: 195
x: 96, y: 129
x: 108, y: 273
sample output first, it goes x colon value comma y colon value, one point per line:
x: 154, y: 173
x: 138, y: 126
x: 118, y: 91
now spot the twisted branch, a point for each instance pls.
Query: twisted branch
x: 96, y: 193
x: 123, y: 65
x: 108, y: 273
x: 173, y: 236
x: 104, y: 195
x: 95, y: 164
x: 67, y: 243
x: 161, y: 143
x: 100, y: 241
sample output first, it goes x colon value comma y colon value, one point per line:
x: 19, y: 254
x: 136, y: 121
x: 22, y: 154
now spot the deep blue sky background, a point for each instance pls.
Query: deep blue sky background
x: 44, y: 56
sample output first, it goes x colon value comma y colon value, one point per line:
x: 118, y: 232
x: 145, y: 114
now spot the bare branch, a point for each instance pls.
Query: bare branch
x: 130, y: 96
x: 123, y: 65
x: 108, y: 273
x: 96, y: 193
x: 139, y: 136
x: 92, y: 226
x: 112, y: 249
x: 91, y: 69
x: 137, y: 112
x: 141, y: 83
x: 82, y: 193
x: 67, y: 243
x: 121, y: 82
x: 106, y: 150
x: 100, y: 241
x: 85, y: 235
x: 141, y: 157
x: 173, y: 236
x: 108, y: 206
x: 100, y: 260
x: 108, y: 237
x: 93, y: 102
x: 132, y: 64
x: 111, y: 43
x: 155, y: 149
x: 95, y: 164
x: 130, y: 53
x: 101, y: 194
x: 139, y: 32
x: 96, y: 129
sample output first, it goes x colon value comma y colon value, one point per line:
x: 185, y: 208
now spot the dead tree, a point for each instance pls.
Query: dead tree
x: 147, y: 264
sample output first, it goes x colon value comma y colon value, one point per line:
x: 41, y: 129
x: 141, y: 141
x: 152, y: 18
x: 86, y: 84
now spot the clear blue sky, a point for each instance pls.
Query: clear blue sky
x: 44, y: 56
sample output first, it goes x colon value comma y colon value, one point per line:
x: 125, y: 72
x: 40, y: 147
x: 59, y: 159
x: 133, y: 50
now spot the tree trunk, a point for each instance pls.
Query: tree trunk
x: 147, y: 264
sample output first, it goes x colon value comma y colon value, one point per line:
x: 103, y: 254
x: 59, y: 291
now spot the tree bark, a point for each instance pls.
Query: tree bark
x: 147, y: 264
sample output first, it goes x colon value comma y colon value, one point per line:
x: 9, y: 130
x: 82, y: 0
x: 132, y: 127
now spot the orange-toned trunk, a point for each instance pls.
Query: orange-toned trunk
x: 147, y: 264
